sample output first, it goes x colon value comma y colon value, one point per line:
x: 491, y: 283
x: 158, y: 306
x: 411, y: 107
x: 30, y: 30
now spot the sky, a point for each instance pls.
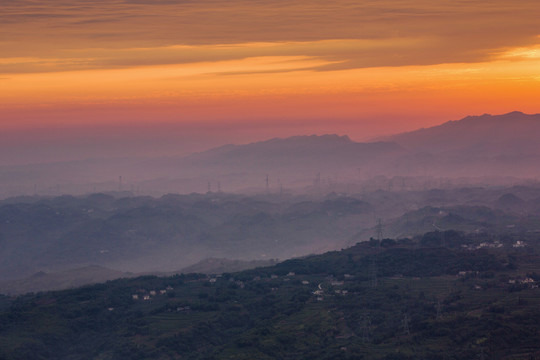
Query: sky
x: 138, y: 77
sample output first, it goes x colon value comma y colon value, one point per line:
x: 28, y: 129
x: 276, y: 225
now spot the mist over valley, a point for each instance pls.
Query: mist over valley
x: 501, y: 149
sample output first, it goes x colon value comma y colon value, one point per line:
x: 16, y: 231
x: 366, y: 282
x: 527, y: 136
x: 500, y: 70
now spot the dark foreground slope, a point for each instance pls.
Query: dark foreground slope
x: 477, y: 297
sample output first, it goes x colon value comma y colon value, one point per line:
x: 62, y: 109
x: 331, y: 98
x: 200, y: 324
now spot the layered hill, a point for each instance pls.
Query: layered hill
x: 63, y: 238
x: 142, y: 234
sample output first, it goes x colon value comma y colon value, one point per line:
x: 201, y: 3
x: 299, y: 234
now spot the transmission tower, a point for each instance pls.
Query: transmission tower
x: 439, y: 310
x: 366, y: 329
x: 373, y: 273
x: 443, y: 242
x: 379, y: 229
x: 405, y: 323
x: 373, y: 266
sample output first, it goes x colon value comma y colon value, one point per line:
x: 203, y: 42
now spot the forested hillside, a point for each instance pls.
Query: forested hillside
x: 474, y: 297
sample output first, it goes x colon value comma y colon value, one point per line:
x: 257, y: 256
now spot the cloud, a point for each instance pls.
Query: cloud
x: 345, y: 34
x: 520, y: 53
x: 334, y: 54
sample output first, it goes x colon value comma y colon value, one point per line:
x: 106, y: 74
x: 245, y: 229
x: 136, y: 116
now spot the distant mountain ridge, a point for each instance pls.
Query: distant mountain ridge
x: 486, y: 145
x: 285, y: 151
x: 514, y: 132
x: 475, y: 146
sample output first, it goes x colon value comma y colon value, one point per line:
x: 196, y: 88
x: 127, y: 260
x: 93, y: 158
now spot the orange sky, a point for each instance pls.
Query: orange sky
x: 257, y: 69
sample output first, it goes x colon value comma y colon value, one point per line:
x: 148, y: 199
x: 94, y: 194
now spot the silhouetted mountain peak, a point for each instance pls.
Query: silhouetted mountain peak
x: 299, y: 146
x: 297, y: 158
x: 516, y: 113
x: 299, y: 140
x: 514, y: 131
x: 312, y: 139
x: 511, y: 116
x: 472, y: 118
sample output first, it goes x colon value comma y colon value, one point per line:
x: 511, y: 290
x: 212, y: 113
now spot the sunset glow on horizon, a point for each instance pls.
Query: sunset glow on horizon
x: 265, y: 69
